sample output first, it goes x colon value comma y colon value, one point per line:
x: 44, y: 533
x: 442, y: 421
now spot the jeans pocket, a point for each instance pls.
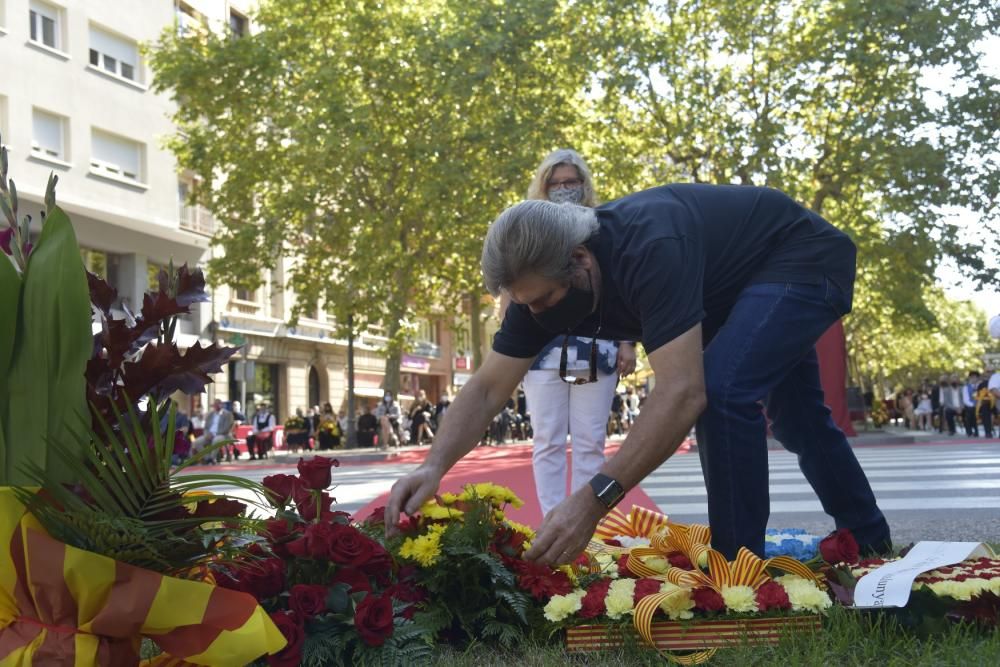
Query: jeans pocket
x: 836, y: 298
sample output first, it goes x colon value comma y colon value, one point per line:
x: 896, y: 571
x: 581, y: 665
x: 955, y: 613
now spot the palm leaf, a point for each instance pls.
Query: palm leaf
x: 128, y: 502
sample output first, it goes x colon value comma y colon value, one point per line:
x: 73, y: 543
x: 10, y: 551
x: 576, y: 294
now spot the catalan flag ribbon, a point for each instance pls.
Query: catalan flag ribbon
x: 60, y: 605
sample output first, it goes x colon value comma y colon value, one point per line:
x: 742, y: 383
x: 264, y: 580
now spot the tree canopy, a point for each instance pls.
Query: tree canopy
x: 372, y: 142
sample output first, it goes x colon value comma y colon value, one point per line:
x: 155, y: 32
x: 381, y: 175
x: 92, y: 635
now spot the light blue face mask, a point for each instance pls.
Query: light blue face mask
x: 572, y: 195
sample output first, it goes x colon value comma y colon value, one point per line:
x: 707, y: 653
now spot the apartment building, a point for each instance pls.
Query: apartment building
x: 75, y: 100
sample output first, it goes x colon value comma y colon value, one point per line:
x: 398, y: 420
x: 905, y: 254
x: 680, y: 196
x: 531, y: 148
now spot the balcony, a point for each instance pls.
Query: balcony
x: 196, y: 219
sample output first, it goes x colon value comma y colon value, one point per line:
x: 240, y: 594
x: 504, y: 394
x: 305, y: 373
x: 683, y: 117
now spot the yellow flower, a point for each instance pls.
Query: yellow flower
x: 494, y: 493
x: 679, y: 605
x: 656, y: 563
x: 621, y: 598
x: 424, y: 549
x: 804, y: 594
x: 527, y: 531
x: 563, y: 606
x: 739, y: 599
x: 569, y: 572
x: 703, y: 560
x: 449, y: 498
x: 431, y: 510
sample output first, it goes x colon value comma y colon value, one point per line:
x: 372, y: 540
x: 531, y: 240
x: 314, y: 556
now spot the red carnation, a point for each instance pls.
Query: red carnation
x: 677, y: 559
x: 645, y: 587
x: 281, y: 487
x: 353, y: 577
x: 307, y: 600
x: 772, y: 595
x: 316, y: 473
x: 295, y: 635
x: 623, y: 565
x: 707, y: 599
x: 593, y: 601
x: 541, y: 580
x: 612, y: 543
x: 839, y: 547
x: 373, y: 619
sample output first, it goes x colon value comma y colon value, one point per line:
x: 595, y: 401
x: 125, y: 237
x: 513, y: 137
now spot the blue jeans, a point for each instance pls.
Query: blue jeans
x: 764, y: 357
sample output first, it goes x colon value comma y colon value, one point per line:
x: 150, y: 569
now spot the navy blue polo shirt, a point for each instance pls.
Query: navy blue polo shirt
x: 676, y: 255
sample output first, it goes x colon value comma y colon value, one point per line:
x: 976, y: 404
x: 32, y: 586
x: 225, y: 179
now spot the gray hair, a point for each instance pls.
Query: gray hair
x: 535, y: 237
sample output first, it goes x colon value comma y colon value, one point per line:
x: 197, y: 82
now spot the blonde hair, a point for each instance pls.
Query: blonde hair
x: 564, y: 156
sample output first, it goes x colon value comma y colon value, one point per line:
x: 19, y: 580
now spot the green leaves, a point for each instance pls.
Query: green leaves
x: 47, y: 345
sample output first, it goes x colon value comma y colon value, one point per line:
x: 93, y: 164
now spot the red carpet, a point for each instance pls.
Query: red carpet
x: 509, y: 466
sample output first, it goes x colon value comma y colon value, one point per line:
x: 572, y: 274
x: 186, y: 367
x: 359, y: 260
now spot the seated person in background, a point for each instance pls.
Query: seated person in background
x: 218, y: 428
x: 262, y: 436
x: 367, y: 426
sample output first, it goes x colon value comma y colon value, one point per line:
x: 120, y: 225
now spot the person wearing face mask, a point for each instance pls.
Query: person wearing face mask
x: 728, y: 288
x: 388, y: 415
x: 559, y: 408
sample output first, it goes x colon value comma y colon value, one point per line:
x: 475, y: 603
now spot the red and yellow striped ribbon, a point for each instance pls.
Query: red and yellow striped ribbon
x: 63, y: 605
x: 640, y: 522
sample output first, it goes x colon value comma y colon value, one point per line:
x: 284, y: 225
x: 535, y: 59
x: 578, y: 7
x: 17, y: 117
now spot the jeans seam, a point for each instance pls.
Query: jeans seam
x: 727, y: 384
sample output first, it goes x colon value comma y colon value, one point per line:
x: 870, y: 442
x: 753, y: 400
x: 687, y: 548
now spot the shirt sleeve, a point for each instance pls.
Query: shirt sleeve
x: 520, y: 335
x: 665, y: 281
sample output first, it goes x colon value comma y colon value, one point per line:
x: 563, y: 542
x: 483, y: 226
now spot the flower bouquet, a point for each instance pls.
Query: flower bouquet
x: 335, y: 593
x: 106, y: 543
x: 965, y: 591
x: 661, y: 580
x: 468, y: 557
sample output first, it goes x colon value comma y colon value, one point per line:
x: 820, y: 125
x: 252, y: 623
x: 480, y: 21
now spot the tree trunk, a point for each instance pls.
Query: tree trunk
x: 476, y: 330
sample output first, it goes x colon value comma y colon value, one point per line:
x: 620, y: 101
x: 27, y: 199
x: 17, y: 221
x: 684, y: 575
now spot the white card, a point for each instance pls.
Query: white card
x: 890, y: 585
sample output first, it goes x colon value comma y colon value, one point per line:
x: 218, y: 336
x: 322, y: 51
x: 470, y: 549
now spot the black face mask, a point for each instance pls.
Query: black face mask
x: 569, y: 312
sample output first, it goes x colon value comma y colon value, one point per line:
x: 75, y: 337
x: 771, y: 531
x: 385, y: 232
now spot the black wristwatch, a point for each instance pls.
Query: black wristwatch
x: 608, y: 491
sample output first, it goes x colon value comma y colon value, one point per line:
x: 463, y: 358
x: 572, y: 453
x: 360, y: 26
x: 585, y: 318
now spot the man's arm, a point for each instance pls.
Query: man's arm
x: 666, y: 418
x: 469, y: 414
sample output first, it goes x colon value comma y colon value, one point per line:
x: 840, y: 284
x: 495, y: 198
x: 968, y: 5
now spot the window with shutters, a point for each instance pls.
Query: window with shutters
x: 116, y: 157
x: 49, y: 135
x: 114, y: 55
x: 46, y: 25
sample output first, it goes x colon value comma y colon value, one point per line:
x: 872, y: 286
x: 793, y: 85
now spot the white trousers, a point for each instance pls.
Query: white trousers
x: 559, y: 409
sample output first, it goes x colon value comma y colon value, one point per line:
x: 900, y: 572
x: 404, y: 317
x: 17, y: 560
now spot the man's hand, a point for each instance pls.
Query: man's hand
x: 408, y: 494
x: 567, y: 529
x: 626, y: 359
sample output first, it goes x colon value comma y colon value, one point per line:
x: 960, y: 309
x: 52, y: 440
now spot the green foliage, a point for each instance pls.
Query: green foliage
x: 44, y: 339
x: 370, y: 142
x: 128, y: 503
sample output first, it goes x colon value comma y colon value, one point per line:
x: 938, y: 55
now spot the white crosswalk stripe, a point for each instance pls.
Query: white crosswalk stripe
x: 902, y: 477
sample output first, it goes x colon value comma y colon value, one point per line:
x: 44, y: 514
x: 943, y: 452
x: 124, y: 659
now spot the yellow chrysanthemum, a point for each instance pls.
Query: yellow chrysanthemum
x: 679, y: 605
x: 804, y: 594
x: 739, y: 599
x: 494, y: 493
x: 425, y: 549
x: 431, y: 510
x: 527, y: 531
x: 569, y: 572
x: 563, y: 606
x: 621, y: 598
x: 449, y: 498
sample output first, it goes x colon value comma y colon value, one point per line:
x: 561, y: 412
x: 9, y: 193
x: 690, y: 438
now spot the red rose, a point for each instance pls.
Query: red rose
x: 772, y: 595
x: 295, y: 635
x: 305, y: 502
x: 373, y: 619
x: 646, y: 586
x: 279, y: 532
x: 677, y: 559
x: 377, y: 517
x: 839, y: 547
x: 379, y: 564
x: 348, y: 546
x: 307, y: 600
x: 593, y: 601
x: 218, y: 508
x: 261, y: 578
x: 706, y: 599
x: 281, y: 488
x: 316, y: 472
x: 353, y: 577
